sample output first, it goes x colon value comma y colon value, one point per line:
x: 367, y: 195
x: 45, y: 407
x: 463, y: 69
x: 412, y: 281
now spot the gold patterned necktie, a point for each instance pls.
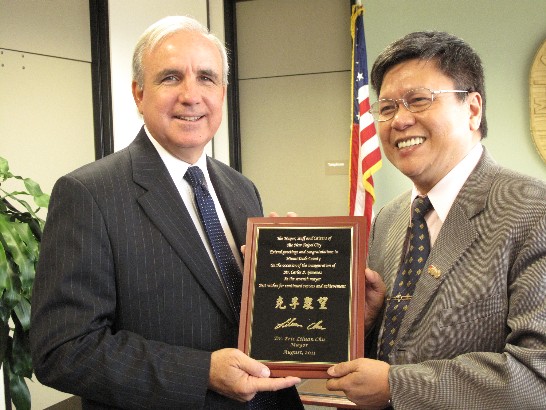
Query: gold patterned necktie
x: 408, y: 275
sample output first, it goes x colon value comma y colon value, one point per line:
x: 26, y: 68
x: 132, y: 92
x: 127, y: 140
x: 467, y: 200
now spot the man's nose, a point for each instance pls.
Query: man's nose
x: 189, y: 92
x: 403, y: 117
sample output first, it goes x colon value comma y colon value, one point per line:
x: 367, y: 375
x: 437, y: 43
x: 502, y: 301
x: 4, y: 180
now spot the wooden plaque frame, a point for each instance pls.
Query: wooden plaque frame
x: 296, y: 235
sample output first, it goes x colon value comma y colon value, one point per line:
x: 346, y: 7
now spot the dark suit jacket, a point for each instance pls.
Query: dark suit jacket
x: 127, y: 305
x: 474, y: 337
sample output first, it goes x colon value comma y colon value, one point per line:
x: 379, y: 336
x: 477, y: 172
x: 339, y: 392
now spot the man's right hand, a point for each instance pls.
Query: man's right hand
x: 237, y: 376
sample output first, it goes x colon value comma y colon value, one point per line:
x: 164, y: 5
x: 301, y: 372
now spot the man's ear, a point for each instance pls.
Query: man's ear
x: 138, y: 94
x: 475, y: 104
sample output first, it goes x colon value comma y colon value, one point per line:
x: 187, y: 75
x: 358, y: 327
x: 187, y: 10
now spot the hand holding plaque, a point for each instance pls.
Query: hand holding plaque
x: 303, y: 293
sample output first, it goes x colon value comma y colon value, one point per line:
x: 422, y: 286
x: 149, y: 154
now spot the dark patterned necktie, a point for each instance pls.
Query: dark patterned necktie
x: 408, y: 275
x: 229, y: 269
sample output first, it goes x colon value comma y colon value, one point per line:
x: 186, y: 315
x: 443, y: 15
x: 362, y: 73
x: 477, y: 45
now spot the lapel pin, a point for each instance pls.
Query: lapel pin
x: 434, y: 271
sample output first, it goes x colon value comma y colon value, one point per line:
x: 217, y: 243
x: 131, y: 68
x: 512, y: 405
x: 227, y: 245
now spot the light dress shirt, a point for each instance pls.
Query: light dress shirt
x: 177, y: 168
x: 446, y: 190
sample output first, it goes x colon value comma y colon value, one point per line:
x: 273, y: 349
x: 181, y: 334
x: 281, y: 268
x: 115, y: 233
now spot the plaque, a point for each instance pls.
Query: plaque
x: 302, y: 307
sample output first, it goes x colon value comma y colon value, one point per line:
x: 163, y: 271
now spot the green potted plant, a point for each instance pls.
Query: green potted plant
x: 20, y: 235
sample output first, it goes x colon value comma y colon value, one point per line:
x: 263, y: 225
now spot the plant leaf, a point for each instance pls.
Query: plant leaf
x: 4, y: 266
x: 25, y: 204
x: 20, y: 360
x: 33, y: 187
x: 4, y: 168
x: 11, y: 296
x: 17, y: 247
x: 29, y: 250
x: 9, y: 292
x: 20, y: 395
x: 22, y: 310
x: 4, y: 333
x: 42, y: 200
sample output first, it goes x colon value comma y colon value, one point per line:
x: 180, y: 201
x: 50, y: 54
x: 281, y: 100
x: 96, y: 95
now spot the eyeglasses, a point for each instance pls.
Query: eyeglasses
x: 416, y: 100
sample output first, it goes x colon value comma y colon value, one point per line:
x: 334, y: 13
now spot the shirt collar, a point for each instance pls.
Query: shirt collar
x: 443, y: 194
x: 176, y: 167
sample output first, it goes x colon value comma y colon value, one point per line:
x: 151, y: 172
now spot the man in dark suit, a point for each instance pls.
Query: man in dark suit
x: 472, y: 333
x: 130, y: 309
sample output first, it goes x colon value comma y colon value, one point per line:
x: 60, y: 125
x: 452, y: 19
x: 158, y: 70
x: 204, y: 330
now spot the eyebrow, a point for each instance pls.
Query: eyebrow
x: 209, y: 73
x: 173, y: 71
x: 166, y: 72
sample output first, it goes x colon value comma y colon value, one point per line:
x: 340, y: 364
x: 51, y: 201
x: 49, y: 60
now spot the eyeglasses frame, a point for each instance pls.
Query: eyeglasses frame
x: 403, y: 99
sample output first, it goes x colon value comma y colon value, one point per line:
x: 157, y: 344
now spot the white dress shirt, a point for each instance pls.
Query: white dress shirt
x: 177, y: 169
x: 446, y: 190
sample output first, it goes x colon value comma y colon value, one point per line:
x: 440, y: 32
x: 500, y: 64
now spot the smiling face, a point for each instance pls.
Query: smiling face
x: 426, y: 145
x: 182, y: 94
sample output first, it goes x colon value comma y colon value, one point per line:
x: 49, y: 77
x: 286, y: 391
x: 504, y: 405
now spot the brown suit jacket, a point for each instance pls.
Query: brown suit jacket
x: 474, y: 337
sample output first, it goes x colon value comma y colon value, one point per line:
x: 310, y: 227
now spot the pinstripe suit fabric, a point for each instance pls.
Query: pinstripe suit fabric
x: 475, y: 338
x: 127, y: 304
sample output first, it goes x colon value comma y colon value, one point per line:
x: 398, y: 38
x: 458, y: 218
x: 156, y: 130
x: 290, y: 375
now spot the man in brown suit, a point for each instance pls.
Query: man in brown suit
x: 473, y: 335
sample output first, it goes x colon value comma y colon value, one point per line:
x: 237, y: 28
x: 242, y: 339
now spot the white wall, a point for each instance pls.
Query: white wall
x: 46, y: 119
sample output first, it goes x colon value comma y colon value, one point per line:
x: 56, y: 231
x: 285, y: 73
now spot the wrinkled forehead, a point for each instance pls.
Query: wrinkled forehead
x: 184, y: 48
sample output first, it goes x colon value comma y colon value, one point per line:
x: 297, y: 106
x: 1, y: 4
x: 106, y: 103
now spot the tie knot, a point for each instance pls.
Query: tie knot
x: 420, y: 206
x: 195, y: 177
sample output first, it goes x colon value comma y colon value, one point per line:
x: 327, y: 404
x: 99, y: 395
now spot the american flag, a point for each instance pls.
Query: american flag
x: 365, y: 153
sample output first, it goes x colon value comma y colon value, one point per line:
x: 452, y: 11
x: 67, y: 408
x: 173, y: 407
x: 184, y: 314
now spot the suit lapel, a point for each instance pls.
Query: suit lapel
x: 166, y: 210
x: 456, y: 236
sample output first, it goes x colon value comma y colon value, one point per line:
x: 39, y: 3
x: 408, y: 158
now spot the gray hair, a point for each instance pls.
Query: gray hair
x: 165, y: 27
